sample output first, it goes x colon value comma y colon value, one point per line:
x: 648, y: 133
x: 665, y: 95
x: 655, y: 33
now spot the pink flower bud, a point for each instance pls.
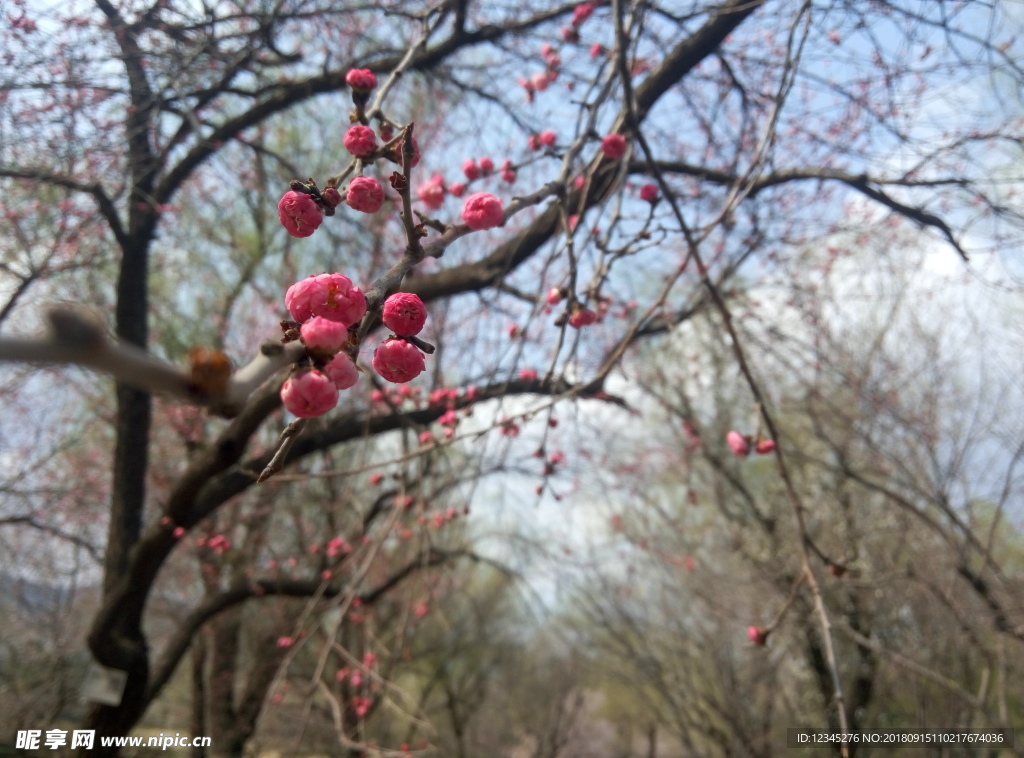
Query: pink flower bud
x: 581, y: 13
x: 299, y: 213
x: 364, y: 194
x: 533, y: 142
x: 457, y: 190
x: 360, y: 140
x: 342, y: 371
x: 613, y: 146
x: 649, y: 193
x: 757, y: 635
x: 376, y: 478
x: 486, y: 166
x: 582, y: 317
x: 737, y: 443
x: 547, y: 138
x: 331, y: 196
x: 554, y: 296
x: 431, y: 192
x: 398, y: 361
x: 470, y: 169
x: 404, y: 314
x: 303, y: 296
x: 528, y: 373
x: 579, y: 181
x: 540, y: 81
x: 361, y: 79
x: 765, y: 446
x: 337, y: 299
x: 309, y: 393
x: 426, y: 438
x: 324, y: 335
x: 285, y: 642
x: 596, y: 50
x: 482, y: 210
x: 508, y: 175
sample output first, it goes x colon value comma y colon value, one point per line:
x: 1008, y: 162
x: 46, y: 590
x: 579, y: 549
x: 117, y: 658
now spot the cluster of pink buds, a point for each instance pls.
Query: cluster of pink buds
x: 398, y: 359
x: 741, y: 445
x: 324, y: 307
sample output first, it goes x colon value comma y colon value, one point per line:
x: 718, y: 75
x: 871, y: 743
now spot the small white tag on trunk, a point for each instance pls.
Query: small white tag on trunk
x: 103, y: 685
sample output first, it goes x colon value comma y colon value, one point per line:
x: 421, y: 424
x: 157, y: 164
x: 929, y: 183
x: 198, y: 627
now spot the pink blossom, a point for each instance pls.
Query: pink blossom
x: 303, y: 296
x: 649, y: 193
x: 299, y: 213
x: 528, y: 373
x: 376, y: 396
x: 457, y: 189
x: 737, y: 443
x: 582, y: 317
x: 364, y: 194
x: 361, y: 79
x: 554, y: 296
x: 178, y: 533
x: 285, y: 642
x: 324, y: 334
x: 548, y: 138
x: 765, y: 446
x: 342, y: 371
x: 482, y: 210
x: 613, y: 146
x: 540, y: 81
x: 398, y: 361
x: 579, y: 181
x: 344, y: 301
x: 309, y: 393
x: 486, y: 166
x: 431, y: 192
x: 581, y: 13
x: 360, y: 140
x: 404, y: 314
x: 449, y: 418
x: 356, y: 679
x: 470, y: 169
x: 757, y: 635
